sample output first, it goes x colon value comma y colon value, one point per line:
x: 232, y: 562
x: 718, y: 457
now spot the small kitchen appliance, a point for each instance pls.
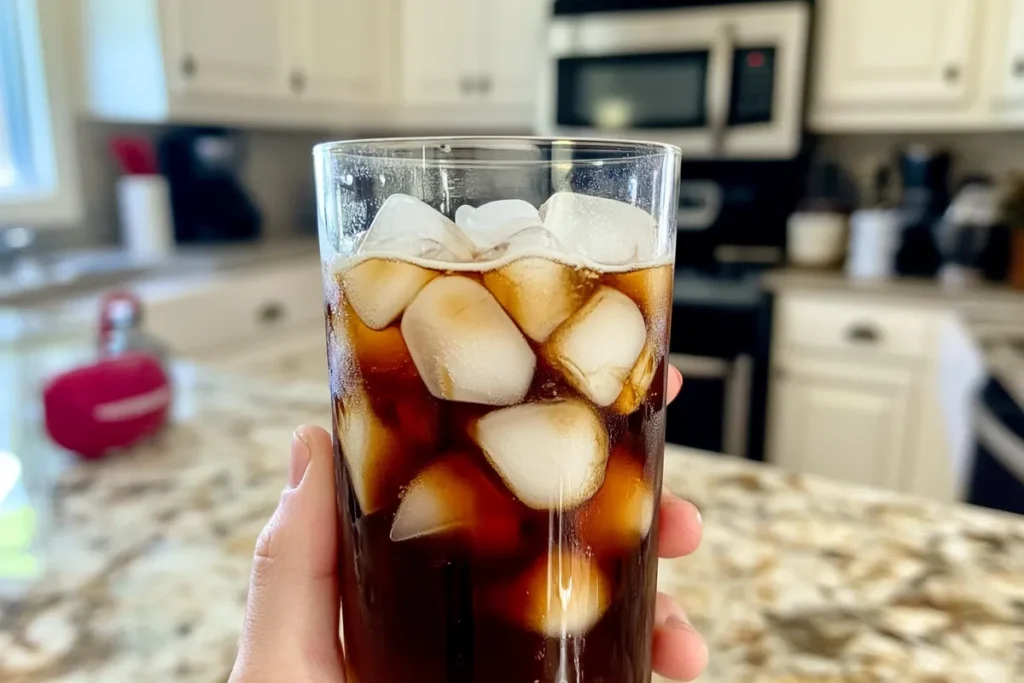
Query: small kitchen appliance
x: 208, y: 200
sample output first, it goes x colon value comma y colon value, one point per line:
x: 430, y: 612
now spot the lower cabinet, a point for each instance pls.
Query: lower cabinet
x: 849, y: 422
x: 854, y: 394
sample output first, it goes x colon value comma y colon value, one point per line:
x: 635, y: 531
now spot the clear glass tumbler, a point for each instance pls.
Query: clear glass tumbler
x: 497, y: 318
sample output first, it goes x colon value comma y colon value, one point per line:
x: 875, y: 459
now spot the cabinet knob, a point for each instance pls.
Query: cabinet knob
x: 952, y: 73
x: 485, y: 85
x: 188, y: 66
x: 863, y: 333
x: 270, y: 313
x: 1018, y: 67
x: 297, y: 82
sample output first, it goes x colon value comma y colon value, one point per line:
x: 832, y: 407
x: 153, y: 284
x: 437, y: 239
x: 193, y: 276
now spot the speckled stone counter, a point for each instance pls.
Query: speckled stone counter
x: 798, y: 580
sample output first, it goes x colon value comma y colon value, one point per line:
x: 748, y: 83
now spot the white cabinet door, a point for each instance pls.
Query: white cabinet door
x: 227, y: 47
x: 513, y: 45
x: 341, y: 50
x: 439, y: 62
x: 1009, y: 62
x: 896, y: 53
x: 841, y: 421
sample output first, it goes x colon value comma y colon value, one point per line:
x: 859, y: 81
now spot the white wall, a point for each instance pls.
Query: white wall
x: 278, y: 174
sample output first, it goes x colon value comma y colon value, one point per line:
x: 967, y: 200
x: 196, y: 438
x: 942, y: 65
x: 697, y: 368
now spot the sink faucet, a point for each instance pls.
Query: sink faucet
x: 15, y: 243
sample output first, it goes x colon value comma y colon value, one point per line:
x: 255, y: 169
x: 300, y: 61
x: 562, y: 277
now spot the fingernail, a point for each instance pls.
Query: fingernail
x: 299, y: 459
x: 700, y: 517
x: 678, y: 624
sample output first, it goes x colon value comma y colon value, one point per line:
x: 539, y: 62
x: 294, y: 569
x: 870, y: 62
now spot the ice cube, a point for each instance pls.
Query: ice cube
x: 551, y: 455
x: 650, y: 288
x: 539, y: 294
x: 465, y: 346
x: 453, y: 497
x: 377, y: 464
x: 406, y: 226
x: 535, y: 240
x: 603, y: 230
x: 563, y: 593
x: 494, y: 223
x: 598, y: 346
x: 380, y: 289
x: 638, y: 383
x: 620, y: 514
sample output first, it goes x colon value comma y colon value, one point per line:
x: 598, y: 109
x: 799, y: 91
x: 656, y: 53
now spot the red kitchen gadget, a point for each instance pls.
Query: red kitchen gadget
x: 111, y: 404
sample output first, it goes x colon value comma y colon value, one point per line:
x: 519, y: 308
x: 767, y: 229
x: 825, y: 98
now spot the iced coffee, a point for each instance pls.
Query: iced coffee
x: 498, y: 378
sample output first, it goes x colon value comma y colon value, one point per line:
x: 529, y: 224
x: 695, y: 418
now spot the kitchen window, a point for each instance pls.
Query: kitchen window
x: 37, y: 171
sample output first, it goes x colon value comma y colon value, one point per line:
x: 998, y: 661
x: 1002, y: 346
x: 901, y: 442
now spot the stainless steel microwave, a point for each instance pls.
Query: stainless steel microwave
x: 720, y: 81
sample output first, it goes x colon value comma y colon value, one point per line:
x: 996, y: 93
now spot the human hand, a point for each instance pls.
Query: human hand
x: 291, y: 624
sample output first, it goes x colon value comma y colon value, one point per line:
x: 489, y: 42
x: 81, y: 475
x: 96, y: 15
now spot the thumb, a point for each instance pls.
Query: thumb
x: 291, y: 616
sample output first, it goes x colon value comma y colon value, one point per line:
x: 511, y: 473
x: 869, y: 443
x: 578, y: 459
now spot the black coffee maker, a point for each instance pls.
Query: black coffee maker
x: 924, y: 173
x: 208, y: 201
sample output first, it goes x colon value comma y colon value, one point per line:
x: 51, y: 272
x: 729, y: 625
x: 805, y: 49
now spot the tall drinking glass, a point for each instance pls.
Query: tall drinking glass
x: 497, y: 320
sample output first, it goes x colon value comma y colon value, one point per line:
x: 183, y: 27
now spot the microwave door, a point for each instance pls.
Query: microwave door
x: 649, y: 95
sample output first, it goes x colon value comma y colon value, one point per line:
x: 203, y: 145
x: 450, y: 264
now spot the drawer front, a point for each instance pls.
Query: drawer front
x: 238, y: 310
x: 847, y: 326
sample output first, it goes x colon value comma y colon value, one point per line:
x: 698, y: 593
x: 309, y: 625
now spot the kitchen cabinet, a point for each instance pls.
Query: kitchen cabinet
x: 918, y: 65
x: 470, y: 62
x: 410, y: 64
x: 228, y: 47
x: 218, y: 316
x: 438, y: 59
x: 844, y: 421
x: 882, y: 53
x: 1008, y: 58
x: 511, y: 50
x: 853, y: 392
x: 341, y: 51
x: 237, y: 62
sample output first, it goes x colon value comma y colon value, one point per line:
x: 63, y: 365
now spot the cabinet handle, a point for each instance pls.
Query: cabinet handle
x: 863, y: 333
x: 952, y: 73
x: 297, y: 82
x: 1018, y: 67
x: 270, y: 313
x: 188, y: 66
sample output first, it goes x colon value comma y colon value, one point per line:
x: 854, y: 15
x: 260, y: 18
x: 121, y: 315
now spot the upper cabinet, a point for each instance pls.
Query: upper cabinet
x: 513, y: 43
x: 1007, y: 25
x: 227, y: 47
x: 482, y: 74
x: 236, y: 62
x: 883, y: 53
x: 910, y: 65
x: 437, y: 68
x: 341, y: 50
x: 414, y: 64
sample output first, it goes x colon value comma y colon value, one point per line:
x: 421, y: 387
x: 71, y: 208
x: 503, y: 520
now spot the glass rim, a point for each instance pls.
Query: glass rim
x: 604, y: 149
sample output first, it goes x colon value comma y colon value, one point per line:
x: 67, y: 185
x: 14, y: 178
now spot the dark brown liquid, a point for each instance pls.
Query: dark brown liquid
x: 425, y: 609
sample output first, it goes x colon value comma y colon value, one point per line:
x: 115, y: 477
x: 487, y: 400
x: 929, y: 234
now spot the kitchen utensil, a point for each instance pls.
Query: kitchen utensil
x: 134, y: 155
x: 144, y: 206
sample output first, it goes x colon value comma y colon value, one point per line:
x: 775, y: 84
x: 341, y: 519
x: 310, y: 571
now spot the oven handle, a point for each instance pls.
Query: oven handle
x: 720, y: 86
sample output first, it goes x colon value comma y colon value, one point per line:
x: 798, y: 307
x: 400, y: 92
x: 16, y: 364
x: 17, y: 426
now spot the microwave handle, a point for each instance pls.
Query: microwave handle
x: 720, y: 85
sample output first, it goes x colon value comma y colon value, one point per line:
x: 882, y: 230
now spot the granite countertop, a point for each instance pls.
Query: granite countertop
x: 798, y: 579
